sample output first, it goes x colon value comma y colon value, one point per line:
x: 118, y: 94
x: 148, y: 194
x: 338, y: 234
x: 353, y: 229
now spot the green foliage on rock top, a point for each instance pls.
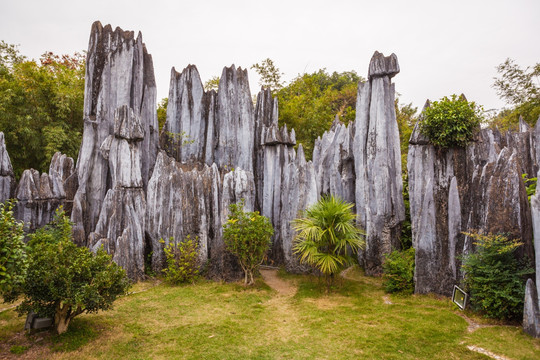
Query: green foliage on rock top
x: 41, y: 106
x: 494, y: 277
x: 247, y: 236
x: 398, y: 271
x: 182, y: 261
x: 64, y: 280
x: 13, y: 259
x: 310, y: 103
x: 328, y: 237
x: 451, y: 122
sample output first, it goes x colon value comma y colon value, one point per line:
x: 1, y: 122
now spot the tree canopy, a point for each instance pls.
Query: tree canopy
x: 520, y: 88
x: 41, y: 106
x: 310, y: 103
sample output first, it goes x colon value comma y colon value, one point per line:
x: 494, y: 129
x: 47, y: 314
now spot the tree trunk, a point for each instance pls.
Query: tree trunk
x: 62, y: 318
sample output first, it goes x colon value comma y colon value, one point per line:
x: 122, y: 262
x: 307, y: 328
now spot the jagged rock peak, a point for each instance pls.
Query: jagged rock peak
x: 417, y: 138
x: 103, y: 42
x: 523, y: 126
x: 381, y: 65
x: 266, y: 110
x: 127, y: 124
x: 5, y: 163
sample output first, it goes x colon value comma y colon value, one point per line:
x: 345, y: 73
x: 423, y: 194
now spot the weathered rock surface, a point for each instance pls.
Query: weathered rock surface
x: 531, y: 311
x: 121, y: 225
x: 333, y: 160
x: 191, y: 202
x: 7, y: 177
x: 210, y: 127
x: 38, y: 196
x: 286, y: 183
x: 119, y: 72
x: 457, y: 190
x: 377, y: 163
x: 535, y: 213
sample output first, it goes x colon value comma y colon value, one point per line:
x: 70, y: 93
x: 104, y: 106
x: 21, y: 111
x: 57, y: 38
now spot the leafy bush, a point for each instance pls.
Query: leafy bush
x: 398, y: 271
x: 64, y: 280
x: 530, y: 185
x: 13, y: 259
x: 247, y: 236
x: 182, y: 261
x: 451, y: 122
x: 328, y: 236
x: 494, y: 277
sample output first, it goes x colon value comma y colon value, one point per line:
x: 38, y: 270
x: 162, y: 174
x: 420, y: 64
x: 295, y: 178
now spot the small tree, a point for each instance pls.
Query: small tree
x: 398, y: 271
x: 13, y: 259
x: 64, y: 280
x: 328, y: 236
x: 270, y: 75
x: 247, y: 236
x: 182, y: 261
x: 451, y: 122
x: 494, y: 277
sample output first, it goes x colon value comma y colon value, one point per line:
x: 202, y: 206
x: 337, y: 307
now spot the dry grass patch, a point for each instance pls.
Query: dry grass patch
x: 228, y: 321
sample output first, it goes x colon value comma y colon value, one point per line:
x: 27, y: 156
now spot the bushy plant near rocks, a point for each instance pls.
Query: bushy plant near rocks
x: 328, y: 237
x: 13, y: 258
x: 451, y: 122
x: 64, y: 280
x: 247, y: 236
x: 182, y: 261
x: 398, y: 271
x: 494, y: 277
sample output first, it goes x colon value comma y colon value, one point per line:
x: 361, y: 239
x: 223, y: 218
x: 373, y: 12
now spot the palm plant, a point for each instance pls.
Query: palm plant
x: 328, y: 237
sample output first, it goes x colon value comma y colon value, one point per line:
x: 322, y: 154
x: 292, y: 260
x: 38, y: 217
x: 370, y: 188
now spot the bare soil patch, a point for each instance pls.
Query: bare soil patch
x: 283, y: 287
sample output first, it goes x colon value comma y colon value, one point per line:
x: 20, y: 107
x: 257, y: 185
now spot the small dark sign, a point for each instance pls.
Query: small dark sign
x: 459, y: 297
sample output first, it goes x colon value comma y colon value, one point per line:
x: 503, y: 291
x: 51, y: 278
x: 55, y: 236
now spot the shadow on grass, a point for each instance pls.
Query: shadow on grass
x: 81, y: 332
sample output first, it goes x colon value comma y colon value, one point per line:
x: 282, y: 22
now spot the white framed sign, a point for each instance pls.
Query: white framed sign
x: 459, y: 297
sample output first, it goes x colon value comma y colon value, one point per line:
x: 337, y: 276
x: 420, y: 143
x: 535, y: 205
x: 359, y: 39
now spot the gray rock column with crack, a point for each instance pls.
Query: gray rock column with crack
x: 7, y: 177
x: 119, y: 71
x: 377, y: 163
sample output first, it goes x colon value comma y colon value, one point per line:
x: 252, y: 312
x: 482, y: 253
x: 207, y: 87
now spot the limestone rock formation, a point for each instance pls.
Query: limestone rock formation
x: 210, y: 127
x: 286, y: 183
x: 531, y: 311
x: 191, y: 202
x: 333, y: 160
x: 457, y: 190
x: 7, y: 177
x: 38, y: 196
x: 377, y: 163
x: 121, y: 225
x: 119, y: 72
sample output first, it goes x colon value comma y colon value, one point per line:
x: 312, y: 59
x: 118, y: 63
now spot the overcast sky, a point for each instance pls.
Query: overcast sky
x: 443, y: 47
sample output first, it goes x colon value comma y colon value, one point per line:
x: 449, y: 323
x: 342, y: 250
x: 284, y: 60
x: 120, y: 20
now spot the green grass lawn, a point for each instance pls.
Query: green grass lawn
x: 213, y: 320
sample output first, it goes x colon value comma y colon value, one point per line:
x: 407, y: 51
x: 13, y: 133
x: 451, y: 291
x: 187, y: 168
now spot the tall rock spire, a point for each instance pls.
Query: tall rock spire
x: 379, y: 186
x: 119, y: 72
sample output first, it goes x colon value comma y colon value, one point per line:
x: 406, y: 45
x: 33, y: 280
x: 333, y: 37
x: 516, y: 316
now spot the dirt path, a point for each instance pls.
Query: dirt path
x: 284, y: 288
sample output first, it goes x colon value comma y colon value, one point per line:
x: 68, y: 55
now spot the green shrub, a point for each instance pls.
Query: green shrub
x: 328, y: 237
x: 182, y: 261
x: 64, y: 280
x: 398, y: 271
x: 13, y: 259
x: 530, y: 185
x: 247, y: 236
x: 451, y: 122
x: 494, y: 277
